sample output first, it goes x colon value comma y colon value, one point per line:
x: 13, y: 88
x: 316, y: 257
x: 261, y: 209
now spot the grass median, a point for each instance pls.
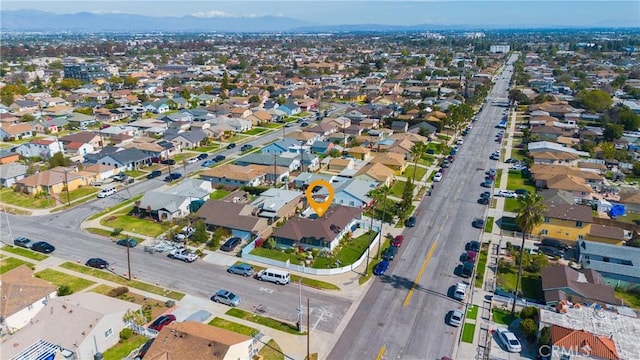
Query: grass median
x: 120, y: 280
x: 235, y: 327
x: 25, y: 253
x: 266, y: 321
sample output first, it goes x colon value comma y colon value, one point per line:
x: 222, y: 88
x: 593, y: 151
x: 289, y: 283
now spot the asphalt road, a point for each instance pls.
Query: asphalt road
x: 403, y: 314
x: 200, y: 278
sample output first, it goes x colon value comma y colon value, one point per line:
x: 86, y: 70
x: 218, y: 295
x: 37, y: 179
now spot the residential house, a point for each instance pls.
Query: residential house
x: 376, y: 172
x: 238, y: 125
x: 157, y: 107
x: 234, y: 175
x: 23, y: 296
x: 24, y: 106
x: 45, y: 127
x: 11, y: 132
x: 83, y: 137
x: 324, y: 129
x: 581, y: 183
x: 80, y: 121
x: 305, y: 137
x: 338, y: 164
x: 91, y: 322
x: 359, y: 152
x: 291, y: 163
x: 553, y: 148
x: 290, y: 108
x: 618, y: 265
x: 42, y: 148
x: 580, y: 344
x: 162, y: 149
x: 282, y: 146
x: 305, y: 178
x: 352, y: 193
x: 7, y: 156
x: 399, y: 126
x: 324, y: 232
x: 394, y: 161
x: 322, y: 147
x: 194, y: 340
x: 278, y: 203
x: 52, y: 181
x: 175, y: 202
x: 561, y: 282
x: 12, y: 172
x: 239, y: 218
x: 631, y: 201
x: 240, y: 112
x: 125, y: 160
x: 188, y: 139
x: 97, y: 172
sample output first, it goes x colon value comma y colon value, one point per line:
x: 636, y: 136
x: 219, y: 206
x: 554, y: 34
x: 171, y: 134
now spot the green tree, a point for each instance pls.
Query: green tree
x: 594, y: 100
x: 64, y: 290
x: 612, y: 132
x: 116, y: 80
x: 135, y: 317
x: 529, y: 327
x: 69, y: 84
x: 200, y: 234
x: 531, y: 212
x: 636, y: 169
x: 529, y: 312
x: 58, y: 159
x: 417, y: 150
x: 407, y: 199
x: 130, y: 82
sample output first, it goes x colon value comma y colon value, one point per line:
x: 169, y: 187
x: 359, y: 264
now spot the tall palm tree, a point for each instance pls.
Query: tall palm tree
x: 379, y: 196
x: 530, y: 214
x: 416, y: 151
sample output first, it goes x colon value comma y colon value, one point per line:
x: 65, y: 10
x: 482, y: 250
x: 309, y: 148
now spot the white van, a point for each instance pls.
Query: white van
x: 273, y: 275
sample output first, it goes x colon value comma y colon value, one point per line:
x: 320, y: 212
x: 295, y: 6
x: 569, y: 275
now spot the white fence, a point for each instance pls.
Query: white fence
x: 245, y: 254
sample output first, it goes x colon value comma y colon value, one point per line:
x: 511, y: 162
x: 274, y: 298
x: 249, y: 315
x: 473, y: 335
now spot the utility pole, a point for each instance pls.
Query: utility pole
x: 66, y: 183
x: 299, y: 323
x: 301, y: 157
x: 366, y: 271
x: 308, y: 331
x: 129, y: 258
x: 275, y: 169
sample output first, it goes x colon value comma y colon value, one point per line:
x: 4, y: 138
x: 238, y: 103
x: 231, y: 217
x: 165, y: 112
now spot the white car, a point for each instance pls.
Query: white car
x: 455, y: 318
x: 460, y: 291
x: 518, y: 167
x: 106, y: 192
x: 509, y: 340
x: 437, y: 177
x: 192, y: 161
x: 460, y: 141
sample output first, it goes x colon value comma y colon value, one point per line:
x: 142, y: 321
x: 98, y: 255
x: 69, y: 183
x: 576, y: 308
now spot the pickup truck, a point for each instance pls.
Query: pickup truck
x: 184, y: 255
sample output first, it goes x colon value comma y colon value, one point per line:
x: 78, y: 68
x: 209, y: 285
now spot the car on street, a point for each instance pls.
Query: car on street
x: 106, y: 192
x: 183, y: 254
x: 226, y: 297
x: 473, y: 246
x: 485, y: 195
x: 127, y: 242
x: 381, y: 268
x: 455, y: 318
x: 509, y: 340
x: 230, y: 244
x: 154, y: 174
x: 203, y: 156
x: 172, y: 176
x: 437, y: 177
x: 246, y: 147
x: 219, y: 158
x: 208, y: 163
x: 23, y: 242
x: 483, y: 201
x: 43, y: 247
x: 487, y: 183
x: 304, y: 124
x: 231, y: 146
x: 97, y: 263
x: 494, y: 157
x: 397, y: 241
x: 168, y: 162
x: 288, y: 125
x: 163, y: 320
x: 460, y: 291
x: 241, y: 269
x: 446, y: 164
x: 390, y: 253
x: 192, y: 160
x: 410, y: 222
x: 478, y: 223
x: 511, y: 161
x: 521, y: 192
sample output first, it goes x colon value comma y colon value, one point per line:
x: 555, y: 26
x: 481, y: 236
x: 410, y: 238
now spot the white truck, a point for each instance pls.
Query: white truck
x: 183, y: 254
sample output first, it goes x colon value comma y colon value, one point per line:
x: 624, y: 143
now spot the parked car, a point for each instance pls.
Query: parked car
x: 455, y: 318
x: 381, y: 268
x: 106, y: 192
x: 478, y: 223
x: 219, y: 158
x: 551, y: 251
x: 485, y: 195
x: 168, y: 162
x: 467, y: 269
x: 43, y: 247
x: 246, y: 147
x: 390, y: 253
x: 231, y: 145
x: 226, y: 297
x: 127, y: 242
x: 521, y: 192
x: 230, y: 244
x: 437, y: 177
x: 554, y: 243
x: 304, y: 124
x: 483, y: 201
x: 203, y: 156
x: 460, y: 291
x: 446, y: 164
x: 397, y: 241
x: 509, y: 340
x: 23, y: 242
x: 410, y: 222
x: 184, y: 255
x: 193, y: 160
x: 97, y: 263
x: 487, y: 183
x: 163, y: 320
x: 208, y: 163
x: 154, y: 174
x: 172, y: 176
x: 241, y: 269
x: 473, y: 246
x: 119, y: 177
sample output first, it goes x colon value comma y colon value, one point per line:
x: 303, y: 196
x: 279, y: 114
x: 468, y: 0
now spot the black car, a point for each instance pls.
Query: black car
x: 467, y: 269
x: 246, y: 147
x: 97, y: 263
x: 172, y: 176
x: 127, y: 242
x: 551, y: 251
x: 168, y: 162
x: 230, y: 244
x: 554, y: 243
x: 410, y: 222
x: 478, y: 223
x: 485, y: 195
x: 304, y: 124
x: 483, y: 201
x: 154, y: 174
x: 202, y: 156
x: 43, y: 247
x: 473, y: 246
x: 219, y: 158
x: 231, y: 146
x: 390, y: 253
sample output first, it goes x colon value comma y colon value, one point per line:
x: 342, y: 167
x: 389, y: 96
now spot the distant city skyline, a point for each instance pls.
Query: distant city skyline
x: 570, y: 13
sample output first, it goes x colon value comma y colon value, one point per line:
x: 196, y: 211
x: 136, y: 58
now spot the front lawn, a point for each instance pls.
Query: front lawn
x: 134, y: 224
x: 511, y: 205
x: 503, y: 317
x: 236, y: 138
x: 25, y: 253
x: 8, y: 196
x: 266, y: 321
x: 208, y: 148
x: 58, y: 279
x: 420, y: 172
x: 219, y: 194
x: 255, y: 131
x: 397, y: 188
x: 273, y: 125
x: 235, y: 327
x: 472, y: 312
x: 530, y: 287
x: 517, y: 180
x: 10, y: 263
x: 354, y: 248
x: 277, y: 254
x: 135, y: 173
x: 79, y: 193
x: 271, y: 351
x: 124, y: 347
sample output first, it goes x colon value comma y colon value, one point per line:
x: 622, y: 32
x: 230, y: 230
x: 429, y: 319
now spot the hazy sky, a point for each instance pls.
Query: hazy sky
x: 444, y: 12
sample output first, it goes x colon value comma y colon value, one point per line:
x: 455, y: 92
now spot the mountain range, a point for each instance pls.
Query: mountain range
x: 35, y: 20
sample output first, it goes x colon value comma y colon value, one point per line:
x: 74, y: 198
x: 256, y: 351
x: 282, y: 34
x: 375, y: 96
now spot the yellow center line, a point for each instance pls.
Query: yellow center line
x: 381, y: 352
x: 424, y: 266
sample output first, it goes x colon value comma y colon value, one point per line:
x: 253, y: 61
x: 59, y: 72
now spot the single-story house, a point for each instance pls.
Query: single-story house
x: 174, y: 202
x: 561, y: 282
x: 618, y: 265
x: 241, y: 219
x: 234, y: 175
x: 42, y: 148
x: 278, y: 203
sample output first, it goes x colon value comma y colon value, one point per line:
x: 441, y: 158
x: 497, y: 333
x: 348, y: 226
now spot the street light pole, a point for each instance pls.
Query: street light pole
x: 129, y: 258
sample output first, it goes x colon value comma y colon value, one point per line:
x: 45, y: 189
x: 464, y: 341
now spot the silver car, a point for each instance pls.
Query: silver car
x: 455, y: 318
x: 226, y: 297
x: 241, y: 269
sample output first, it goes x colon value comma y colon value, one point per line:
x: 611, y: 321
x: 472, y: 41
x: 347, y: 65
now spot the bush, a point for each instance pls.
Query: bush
x: 125, y: 333
x: 64, y: 290
x: 545, y: 336
x: 529, y: 312
x: 116, y: 231
x: 529, y: 327
x: 255, y: 190
x: 269, y: 244
x: 115, y: 292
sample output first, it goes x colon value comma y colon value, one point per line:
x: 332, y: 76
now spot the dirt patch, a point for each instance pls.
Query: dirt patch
x: 151, y: 308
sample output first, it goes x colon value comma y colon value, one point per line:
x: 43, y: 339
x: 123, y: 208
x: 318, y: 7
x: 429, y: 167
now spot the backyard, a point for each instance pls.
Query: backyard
x: 219, y: 194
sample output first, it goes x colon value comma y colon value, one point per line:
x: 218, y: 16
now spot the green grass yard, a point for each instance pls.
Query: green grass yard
x: 488, y: 226
x: 265, y: 321
x: 420, y: 172
x: 517, y: 180
x: 134, y: 224
x: 10, y: 263
x: 531, y: 286
x: 397, y: 188
x: 25, y: 253
x: 255, y: 131
x: 219, y: 194
x: 10, y: 197
x: 124, y: 347
x: 58, y: 279
x: 467, y: 332
x: 503, y: 317
x: 482, y: 265
x: 472, y: 312
x: 235, y: 327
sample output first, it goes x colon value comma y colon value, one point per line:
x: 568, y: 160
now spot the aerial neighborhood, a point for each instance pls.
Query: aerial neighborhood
x: 209, y: 150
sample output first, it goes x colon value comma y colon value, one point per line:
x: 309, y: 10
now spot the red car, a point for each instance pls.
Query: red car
x: 397, y: 241
x: 163, y: 320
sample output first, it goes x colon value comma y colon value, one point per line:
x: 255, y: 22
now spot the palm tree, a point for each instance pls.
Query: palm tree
x: 416, y: 151
x: 379, y: 196
x: 530, y: 214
